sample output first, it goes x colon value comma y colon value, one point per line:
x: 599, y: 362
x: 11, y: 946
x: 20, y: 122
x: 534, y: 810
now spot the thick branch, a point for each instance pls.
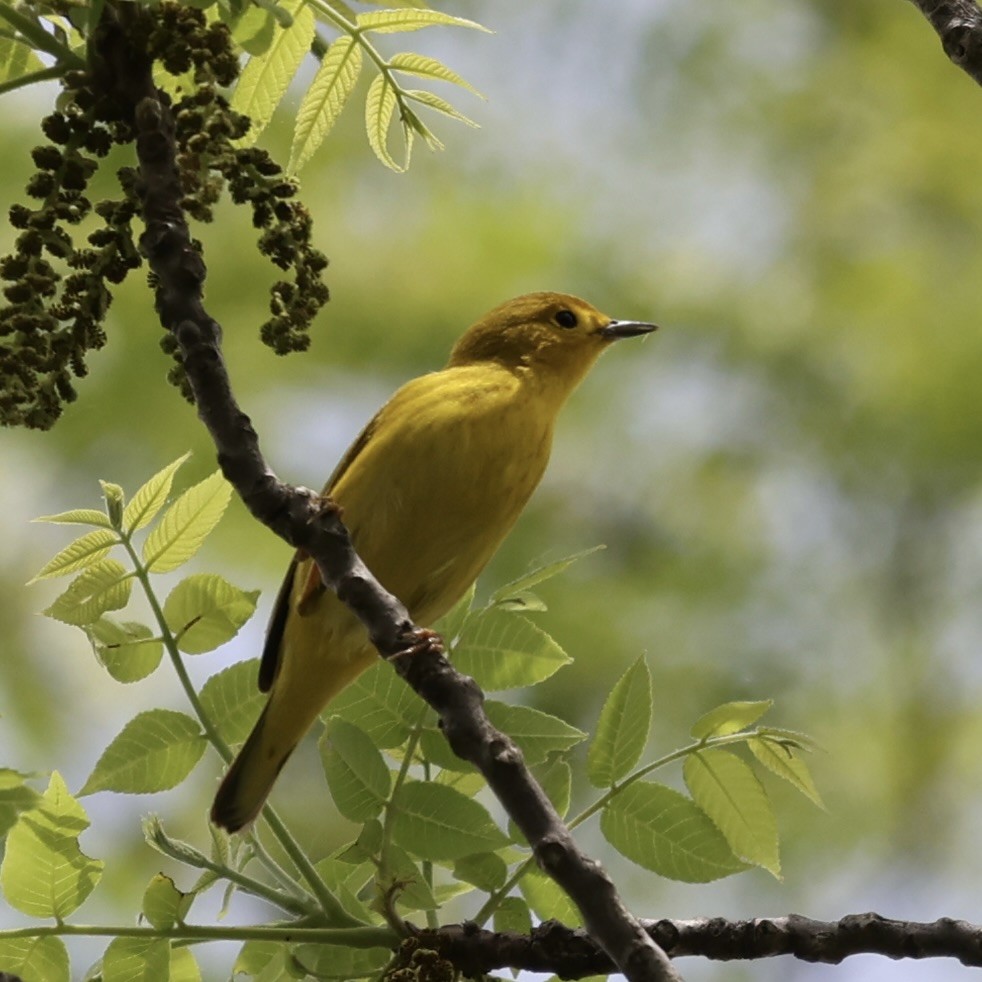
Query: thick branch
x: 304, y: 521
x: 570, y: 954
x: 959, y: 25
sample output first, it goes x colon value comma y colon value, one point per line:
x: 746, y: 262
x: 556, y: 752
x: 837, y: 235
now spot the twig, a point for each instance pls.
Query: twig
x: 571, y: 954
x: 306, y: 522
x: 959, y: 26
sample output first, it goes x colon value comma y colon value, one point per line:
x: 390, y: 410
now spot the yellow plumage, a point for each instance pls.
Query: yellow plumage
x: 428, y: 491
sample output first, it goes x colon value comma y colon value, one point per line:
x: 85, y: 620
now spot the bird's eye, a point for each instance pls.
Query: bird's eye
x: 566, y: 318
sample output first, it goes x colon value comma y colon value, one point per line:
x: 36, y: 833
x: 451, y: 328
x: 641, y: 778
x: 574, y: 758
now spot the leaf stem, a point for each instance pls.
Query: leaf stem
x: 23, y: 81
x: 40, y: 39
x: 491, y: 904
x: 329, y: 903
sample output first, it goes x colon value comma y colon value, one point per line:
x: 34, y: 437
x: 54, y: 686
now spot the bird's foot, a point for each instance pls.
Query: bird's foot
x: 419, y: 641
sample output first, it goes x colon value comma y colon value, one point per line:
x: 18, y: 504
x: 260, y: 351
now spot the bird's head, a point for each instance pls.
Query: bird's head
x: 557, y: 337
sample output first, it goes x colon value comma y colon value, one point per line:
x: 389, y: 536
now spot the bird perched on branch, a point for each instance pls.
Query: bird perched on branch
x: 428, y: 491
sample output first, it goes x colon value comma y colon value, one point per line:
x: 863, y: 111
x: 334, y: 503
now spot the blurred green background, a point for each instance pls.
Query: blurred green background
x: 787, y: 477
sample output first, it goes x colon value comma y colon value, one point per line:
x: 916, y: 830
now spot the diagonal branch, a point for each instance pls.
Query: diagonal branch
x: 959, y: 26
x: 571, y: 954
x: 303, y: 520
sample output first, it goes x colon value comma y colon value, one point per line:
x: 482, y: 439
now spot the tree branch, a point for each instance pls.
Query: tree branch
x: 959, y: 26
x: 570, y: 954
x: 305, y: 521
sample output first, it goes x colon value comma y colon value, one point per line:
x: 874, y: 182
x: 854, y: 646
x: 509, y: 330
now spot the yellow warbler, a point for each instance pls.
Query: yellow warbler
x: 428, y: 491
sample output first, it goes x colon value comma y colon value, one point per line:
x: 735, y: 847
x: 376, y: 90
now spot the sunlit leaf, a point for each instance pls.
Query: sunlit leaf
x: 266, y: 77
x: 85, y: 551
x: 427, y: 67
x: 392, y: 21
x: 547, y: 899
x: 503, y: 650
x: 35, y: 959
x: 512, y: 914
x: 667, y: 833
x: 101, y: 587
x: 356, y: 773
x: 324, y: 99
x: 185, y: 525
x: 129, y: 651
x: 136, y: 960
x: 154, y: 751
x: 205, y: 610
x: 727, y: 790
x: 540, y: 574
x: 163, y: 904
x: 15, y: 797
x: 77, y: 516
x: 150, y: 498
x: 622, y: 730
x: 45, y: 873
x: 232, y: 701
x: 536, y: 733
x: 438, y: 823
x: 782, y: 760
x: 379, y: 105
x: 381, y: 704
x: 731, y: 717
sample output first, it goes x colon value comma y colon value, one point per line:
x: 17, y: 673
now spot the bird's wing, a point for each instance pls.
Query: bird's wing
x: 269, y: 663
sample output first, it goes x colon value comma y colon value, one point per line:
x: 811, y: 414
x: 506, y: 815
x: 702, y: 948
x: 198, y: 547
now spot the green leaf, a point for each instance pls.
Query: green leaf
x: 503, y: 650
x: 356, y: 773
x: 17, y: 60
x: 622, y: 730
x: 183, y: 967
x: 540, y: 574
x: 486, y: 870
x: 780, y: 758
x: 436, y: 822
x: 35, y: 959
x: 413, y: 892
x: 381, y: 704
x: 15, y: 797
x: 150, y: 498
x: 154, y: 751
x: 205, y: 610
x: 265, y: 79
x: 448, y: 626
x: 163, y: 904
x: 323, y: 101
x: 252, y: 27
x: 114, y: 497
x: 77, y: 516
x: 426, y: 67
x: 232, y: 701
x: 128, y: 650
x: 379, y: 106
x: 727, y: 790
x: 512, y: 914
x: 555, y: 777
x: 547, y: 899
x: 104, y: 586
x: 185, y: 525
x: 136, y: 960
x: 729, y: 718
x: 536, y: 733
x: 435, y: 749
x: 393, y: 21
x: 433, y: 101
x: 332, y: 962
x: 44, y: 872
x: 667, y: 833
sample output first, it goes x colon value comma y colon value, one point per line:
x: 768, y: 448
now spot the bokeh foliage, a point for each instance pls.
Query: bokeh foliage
x: 787, y: 477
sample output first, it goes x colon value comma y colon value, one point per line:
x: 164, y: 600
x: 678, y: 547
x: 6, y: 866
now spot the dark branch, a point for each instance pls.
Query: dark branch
x: 959, y: 25
x: 570, y: 954
x: 306, y: 522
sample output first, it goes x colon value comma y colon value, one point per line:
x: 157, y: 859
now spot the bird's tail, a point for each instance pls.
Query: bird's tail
x: 249, y: 780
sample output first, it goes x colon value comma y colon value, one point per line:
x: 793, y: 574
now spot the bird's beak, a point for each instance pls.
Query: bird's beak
x: 626, y: 329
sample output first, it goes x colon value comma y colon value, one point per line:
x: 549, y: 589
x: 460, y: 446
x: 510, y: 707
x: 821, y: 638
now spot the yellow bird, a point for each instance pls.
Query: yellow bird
x: 428, y: 491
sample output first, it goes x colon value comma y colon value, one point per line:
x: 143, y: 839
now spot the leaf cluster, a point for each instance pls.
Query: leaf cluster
x: 424, y: 831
